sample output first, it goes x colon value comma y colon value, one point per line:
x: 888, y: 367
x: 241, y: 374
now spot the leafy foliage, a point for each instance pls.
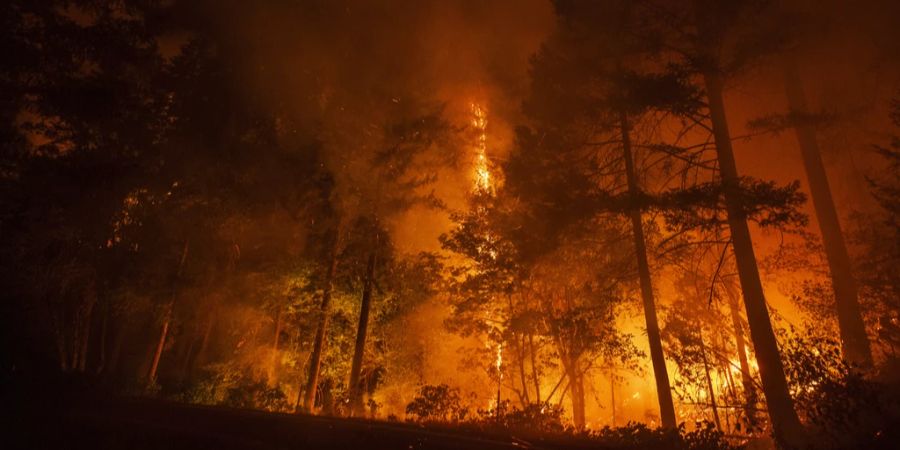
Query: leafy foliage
x: 439, y: 403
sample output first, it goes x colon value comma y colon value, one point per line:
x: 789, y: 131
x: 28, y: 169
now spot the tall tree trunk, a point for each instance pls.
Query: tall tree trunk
x: 749, y: 388
x: 188, y: 357
x: 104, y: 336
x: 85, y: 335
x: 118, y: 340
x: 661, y: 375
x: 160, y: 344
x: 709, y: 383
x: 315, y: 359
x: 612, y: 391
x: 785, y: 423
x: 577, y: 394
x: 200, y: 355
x: 521, y: 357
x: 356, y: 391
x: 534, y: 369
x: 273, y: 368
x: 170, y: 310
x: 854, y: 342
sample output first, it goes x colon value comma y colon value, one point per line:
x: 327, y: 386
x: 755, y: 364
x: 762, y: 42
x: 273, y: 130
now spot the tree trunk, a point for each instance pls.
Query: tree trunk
x: 85, y: 334
x: 612, y: 392
x: 785, y: 423
x: 746, y: 377
x: 160, y: 344
x: 200, y: 355
x: 315, y: 359
x: 104, y: 335
x: 709, y: 383
x: 564, y: 377
x: 534, y: 369
x: 118, y: 340
x: 661, y: 375
x: 521, y: 357
x: 273, y: 368
x: 188, y: 357
x: 577, y: 394
x: 854, y: 342
x: 356, y: 391
x: 170, y: 310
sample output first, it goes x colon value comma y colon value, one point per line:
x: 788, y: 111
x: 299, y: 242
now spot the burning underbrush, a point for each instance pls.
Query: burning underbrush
x: 442, y: 406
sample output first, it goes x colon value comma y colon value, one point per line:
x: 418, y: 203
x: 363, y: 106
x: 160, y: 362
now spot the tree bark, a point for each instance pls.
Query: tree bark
x: 746, y: 377
x: 118, y: 340
x: 200, y: 354
x: 612, y: 393
x: 785, y: 423
x: 170, y: 309
x: 85, y: 335
x: 104, y: 334
x: 521, y: 357
x: 660, y: 372
x: 315, y: 359
x: 273, y: 368
x: 534, y: 369
x: 854, y: 342
x: 709, y: 383
x: 160, y: 344
x: 356, y: 391
x: 576, y: 393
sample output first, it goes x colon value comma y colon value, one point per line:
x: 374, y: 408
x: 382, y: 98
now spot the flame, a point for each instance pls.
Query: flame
x: 482, y: 169
x: 499, y: 360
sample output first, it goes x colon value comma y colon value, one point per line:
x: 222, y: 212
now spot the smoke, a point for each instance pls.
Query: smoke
x: 342, y: 71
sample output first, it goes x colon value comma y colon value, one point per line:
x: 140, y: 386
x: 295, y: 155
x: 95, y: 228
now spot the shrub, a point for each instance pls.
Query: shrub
x: 439, y: 403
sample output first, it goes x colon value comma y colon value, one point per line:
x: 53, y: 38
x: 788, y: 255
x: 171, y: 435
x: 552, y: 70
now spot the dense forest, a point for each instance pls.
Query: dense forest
x: 623, y: 221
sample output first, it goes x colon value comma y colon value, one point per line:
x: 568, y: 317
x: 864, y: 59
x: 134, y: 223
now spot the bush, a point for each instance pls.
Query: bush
x: 841, y: 407
x: 639, y: 435
x: 256, y: 395
x: 439, y: 403
x: 536, y: 418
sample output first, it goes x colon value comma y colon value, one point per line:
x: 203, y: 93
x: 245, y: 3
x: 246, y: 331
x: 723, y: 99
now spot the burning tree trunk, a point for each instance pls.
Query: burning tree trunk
x: 854, y: 342
x: 785, y: 423
x: 663, y: 389
x: 170, y: 309
x: 315, y: 359
x: 356, y: 391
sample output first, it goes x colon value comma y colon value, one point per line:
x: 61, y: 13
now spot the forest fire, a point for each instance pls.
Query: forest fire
x: 451, y: 224
x: 482, y: 169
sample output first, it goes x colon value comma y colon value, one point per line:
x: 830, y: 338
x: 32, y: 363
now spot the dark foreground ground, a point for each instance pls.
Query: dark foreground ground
x: 102, y: 422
